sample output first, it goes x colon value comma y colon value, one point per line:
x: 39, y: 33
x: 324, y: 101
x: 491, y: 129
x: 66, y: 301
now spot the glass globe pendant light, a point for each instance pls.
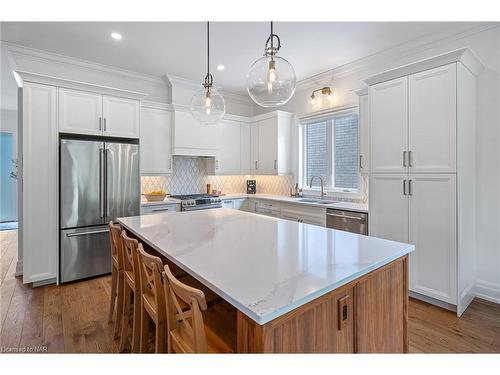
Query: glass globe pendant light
x: 271, y: 79
x: 207, y: 105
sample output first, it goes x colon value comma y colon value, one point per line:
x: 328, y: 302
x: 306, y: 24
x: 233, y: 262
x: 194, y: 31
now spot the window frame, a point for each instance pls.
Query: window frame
x: 327, y: 116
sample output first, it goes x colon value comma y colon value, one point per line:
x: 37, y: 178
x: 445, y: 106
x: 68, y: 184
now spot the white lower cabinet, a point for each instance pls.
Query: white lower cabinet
x: 420, y: 209
x: 159, y: 208
x: 433, y: 232
x: 304, y: 214
x: 389, y: 207
x: 240, y: 204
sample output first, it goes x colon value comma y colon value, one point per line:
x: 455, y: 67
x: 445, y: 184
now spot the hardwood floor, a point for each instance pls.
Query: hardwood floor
x: 72, y: 318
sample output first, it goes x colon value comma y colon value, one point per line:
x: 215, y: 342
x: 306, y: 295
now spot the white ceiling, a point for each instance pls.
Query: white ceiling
x: 179, y: 48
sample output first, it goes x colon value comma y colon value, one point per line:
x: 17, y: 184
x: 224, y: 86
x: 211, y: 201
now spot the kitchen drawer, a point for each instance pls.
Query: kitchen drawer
x: 159, y: 208
x: 268, y: 205
x: 304, y: 214
x: 267, y: 212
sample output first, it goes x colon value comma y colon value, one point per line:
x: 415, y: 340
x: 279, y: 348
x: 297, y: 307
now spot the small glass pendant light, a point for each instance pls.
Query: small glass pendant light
x: 271, y: 79
x: 207, y: 105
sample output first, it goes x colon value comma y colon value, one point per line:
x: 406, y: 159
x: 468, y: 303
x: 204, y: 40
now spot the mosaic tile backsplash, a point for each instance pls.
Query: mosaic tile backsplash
x: 190, y: 177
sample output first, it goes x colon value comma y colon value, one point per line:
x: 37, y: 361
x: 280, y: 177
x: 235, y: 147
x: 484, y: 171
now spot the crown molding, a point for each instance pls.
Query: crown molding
x: 464, y: 55
x: 361, y: 91
x: 157, y: 105
x: 399, y: 51
x: 59, y: 82
x: 17, y: 51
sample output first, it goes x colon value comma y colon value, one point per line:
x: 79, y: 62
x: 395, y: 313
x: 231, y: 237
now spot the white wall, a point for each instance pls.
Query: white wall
x: 484, y: 41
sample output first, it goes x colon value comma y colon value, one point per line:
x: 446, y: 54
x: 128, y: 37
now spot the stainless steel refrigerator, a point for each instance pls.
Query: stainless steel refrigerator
x: 99, y: 181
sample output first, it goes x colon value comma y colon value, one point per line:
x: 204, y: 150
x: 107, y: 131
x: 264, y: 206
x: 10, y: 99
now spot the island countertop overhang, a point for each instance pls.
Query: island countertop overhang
x: 265, y: 267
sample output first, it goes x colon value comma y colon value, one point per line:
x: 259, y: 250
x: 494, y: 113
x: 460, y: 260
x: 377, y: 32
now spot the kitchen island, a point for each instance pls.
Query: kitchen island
x: 296, y: 287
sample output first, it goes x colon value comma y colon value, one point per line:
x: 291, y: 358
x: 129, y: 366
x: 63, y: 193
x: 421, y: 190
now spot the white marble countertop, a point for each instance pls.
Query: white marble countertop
x: 341, y: 205
x: 263, y: 266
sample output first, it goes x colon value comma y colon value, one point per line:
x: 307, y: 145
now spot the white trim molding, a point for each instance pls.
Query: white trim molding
x: 60, y: 82
x: 464, y: 55
x: 488, y: 291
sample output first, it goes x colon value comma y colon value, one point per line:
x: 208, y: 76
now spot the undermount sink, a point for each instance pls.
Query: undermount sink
x: 317, y: 201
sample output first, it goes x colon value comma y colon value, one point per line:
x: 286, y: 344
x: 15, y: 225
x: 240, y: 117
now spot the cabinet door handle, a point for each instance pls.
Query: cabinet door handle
x: 275, y: 167
x: 410, y: 188
x: 100, y: 123
x: 343, y: 312
x: 360, y: 161
x: 410, y: 163
x: 160, y: 209
x: 104, y: 123
x: 404, y: 187
x: 256, y: 164
x: 169, y: 163
x: 216, y: 164
x: 404, y: 158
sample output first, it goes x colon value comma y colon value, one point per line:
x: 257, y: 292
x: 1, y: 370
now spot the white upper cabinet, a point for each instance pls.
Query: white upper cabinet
x: 228, y: 159
x: 389, y: 207
x: 156, y: 141
x: 120, y: 117
x: 268, y: 146
x: 433, y: 224
x: 245, y: 154
x: 364, y: 135
x: 432, y: 120
x: 389, y: 126
x: 271, y: 144
x: 80, y: 112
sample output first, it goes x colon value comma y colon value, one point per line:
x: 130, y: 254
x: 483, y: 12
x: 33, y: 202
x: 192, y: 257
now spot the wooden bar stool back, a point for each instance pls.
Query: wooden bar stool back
x: 131, y: 292
x: 187, y: 331
x: 116, y: 302
x: 153, y: 301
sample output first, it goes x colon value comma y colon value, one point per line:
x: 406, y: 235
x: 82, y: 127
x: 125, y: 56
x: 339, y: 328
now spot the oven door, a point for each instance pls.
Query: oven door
x: 201, y: 207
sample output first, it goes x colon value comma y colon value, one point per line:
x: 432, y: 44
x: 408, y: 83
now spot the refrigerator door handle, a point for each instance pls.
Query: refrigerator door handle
x: 106, y: 203
x: 77, y: 234
x: 101, y: 182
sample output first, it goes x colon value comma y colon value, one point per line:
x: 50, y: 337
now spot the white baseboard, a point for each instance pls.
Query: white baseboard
x: 488, y: 291
x: 19, y: 268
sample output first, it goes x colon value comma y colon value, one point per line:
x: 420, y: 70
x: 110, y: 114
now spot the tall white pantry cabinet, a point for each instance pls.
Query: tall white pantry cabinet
x: 422, y: 171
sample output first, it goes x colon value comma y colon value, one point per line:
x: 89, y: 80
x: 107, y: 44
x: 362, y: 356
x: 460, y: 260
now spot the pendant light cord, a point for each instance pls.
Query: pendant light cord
x: 208, y: 48
x: 272, y: 44
x: 208, y: 78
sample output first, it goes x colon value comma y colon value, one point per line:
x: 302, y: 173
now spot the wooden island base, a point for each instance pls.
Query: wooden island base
x: 368, y: 315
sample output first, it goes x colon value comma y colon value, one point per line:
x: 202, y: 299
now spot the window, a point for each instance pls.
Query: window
x: 330, y: 150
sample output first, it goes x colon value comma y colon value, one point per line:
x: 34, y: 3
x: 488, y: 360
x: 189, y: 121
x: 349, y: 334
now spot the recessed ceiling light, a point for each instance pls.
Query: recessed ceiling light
x: 116, y: 36
x: 221, y: 67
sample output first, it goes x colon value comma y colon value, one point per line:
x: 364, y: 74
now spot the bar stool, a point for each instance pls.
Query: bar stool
x: 131, y: 291
x: 152, y: 301
x: 187, y: 330
x: 117, y: 281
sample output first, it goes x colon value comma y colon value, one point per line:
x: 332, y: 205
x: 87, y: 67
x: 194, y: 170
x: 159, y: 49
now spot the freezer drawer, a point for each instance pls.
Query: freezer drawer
x: 85, y: 252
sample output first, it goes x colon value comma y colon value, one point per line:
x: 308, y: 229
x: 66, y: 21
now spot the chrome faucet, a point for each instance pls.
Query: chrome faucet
x: 322, y: 189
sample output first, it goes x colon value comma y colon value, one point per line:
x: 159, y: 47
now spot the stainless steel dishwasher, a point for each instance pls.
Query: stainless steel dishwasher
x: 349, y: 221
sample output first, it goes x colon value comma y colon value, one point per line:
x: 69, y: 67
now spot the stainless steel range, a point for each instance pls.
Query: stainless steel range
x: 198, y: 201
